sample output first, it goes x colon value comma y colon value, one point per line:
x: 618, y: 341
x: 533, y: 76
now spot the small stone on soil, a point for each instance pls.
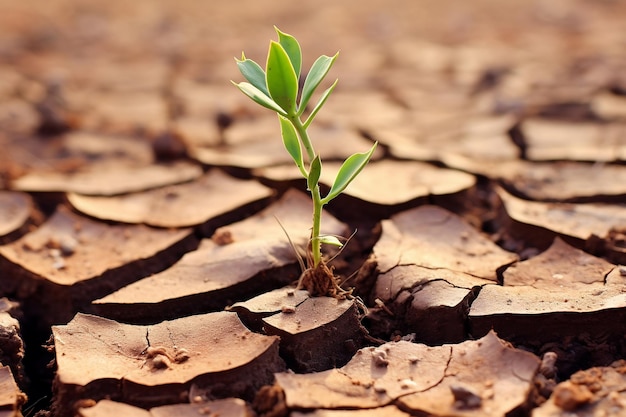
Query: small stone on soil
x: 380, y: 358
x: 464, y: 398
x: 569, y: 396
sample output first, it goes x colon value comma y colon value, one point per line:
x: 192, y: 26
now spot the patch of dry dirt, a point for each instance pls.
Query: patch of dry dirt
x: 141, y: 195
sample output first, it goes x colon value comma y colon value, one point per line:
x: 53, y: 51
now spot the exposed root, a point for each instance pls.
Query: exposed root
x: 320, y: 281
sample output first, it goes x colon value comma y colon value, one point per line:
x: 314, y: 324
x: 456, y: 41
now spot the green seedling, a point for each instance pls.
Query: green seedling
x: 277, y: 88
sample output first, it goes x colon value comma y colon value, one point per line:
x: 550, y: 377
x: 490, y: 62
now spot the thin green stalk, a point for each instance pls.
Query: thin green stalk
x: 304, y: 136
x: 316, y: 246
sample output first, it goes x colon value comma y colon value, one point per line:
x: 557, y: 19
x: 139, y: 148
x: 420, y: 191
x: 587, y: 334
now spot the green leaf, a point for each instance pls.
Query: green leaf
x: 282, y: 82
x: 319, y: 104
x: 330, y: 240
x: 315, y: 170
x: 291, y: 142
x: 253, y: 73
x: 348, y: 171
x: 259, y: 97
x: 292, y: 47
x: 318, y: 71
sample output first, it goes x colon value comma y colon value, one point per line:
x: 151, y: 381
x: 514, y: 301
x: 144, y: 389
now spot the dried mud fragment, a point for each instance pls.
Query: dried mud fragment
x: 498, y: 377
x: 564, y: 181
x: 230, y: 407
x: 251, y: 148
x: 561, y: 266
x: 206, y: 279
x: 479, y: 138
x: 549, y: 140
x: 107, y: 408
x: 318, y: 334
x: 240, y: 261
x: 101, y: 150
x: 11, y: 398
x: 11, y: 346
x: 365, y: 109
x: 388, y: 411
x: 391, y: 183
x: 413, y: 278
x: 213, y: 195
x: 55, y: 116
x: 71, y: 260
x: 562, y: 292
x: 367, y: 381
x: 128, y: 110
x: 15, y: 210
x: 253, y: 311
x: 578, y: 222
x: 610, y: 106
x: 204, y: 100
x: 18, y: 116
x: 72, y: 152
x: 213, y: 355
x: 594, y: 392
x: 432, y: 304
x: 293, y: 210
x: 385, y: 187
x: 418, y: 378
x: 431, y: 263
x: 434, y: 238
x: 110, y: 180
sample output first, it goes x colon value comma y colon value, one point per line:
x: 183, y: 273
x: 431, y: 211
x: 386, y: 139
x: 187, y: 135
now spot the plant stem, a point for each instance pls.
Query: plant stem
x: 303, y: 135
x: 316, y: 246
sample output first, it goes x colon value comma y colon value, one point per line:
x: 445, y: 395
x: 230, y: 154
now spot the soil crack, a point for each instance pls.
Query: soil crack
x: 400, y: 404
x: 606, y: 276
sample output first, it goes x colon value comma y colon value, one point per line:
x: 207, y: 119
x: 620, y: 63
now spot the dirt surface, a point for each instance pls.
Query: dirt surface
x: 144, y: 269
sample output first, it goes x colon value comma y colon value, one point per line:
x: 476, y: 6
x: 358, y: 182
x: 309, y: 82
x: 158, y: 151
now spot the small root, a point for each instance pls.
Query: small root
x: 320, y: 281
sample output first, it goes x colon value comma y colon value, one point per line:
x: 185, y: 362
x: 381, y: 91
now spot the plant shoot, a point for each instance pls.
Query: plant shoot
x: 277, y: 88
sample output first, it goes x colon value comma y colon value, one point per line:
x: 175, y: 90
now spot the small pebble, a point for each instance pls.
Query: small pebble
x: 58, y: 264
x: 408, y: 337
x: 569, y: 396
x: 181, y: 355
x: 68, y: 246
x: 464, y: 398
x: 161, y: 362
x: 380, y: 389
x: 380, y: 358
x: 407, y: 383
x: 548, y: 365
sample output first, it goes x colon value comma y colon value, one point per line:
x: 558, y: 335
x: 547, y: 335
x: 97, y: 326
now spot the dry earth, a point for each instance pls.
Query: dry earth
x: 142, y: 269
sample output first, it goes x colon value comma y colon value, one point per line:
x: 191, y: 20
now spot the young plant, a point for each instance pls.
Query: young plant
x: 277, y: 88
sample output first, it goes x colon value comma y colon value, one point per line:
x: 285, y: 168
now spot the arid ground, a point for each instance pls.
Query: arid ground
x: 151, y: 219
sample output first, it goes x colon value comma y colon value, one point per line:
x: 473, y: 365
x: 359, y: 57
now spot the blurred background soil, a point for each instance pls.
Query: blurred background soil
x: 139, y: 68
x: 94, y: 49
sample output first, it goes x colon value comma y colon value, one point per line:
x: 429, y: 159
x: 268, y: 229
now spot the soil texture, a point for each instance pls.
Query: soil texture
x: 154, y: 232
